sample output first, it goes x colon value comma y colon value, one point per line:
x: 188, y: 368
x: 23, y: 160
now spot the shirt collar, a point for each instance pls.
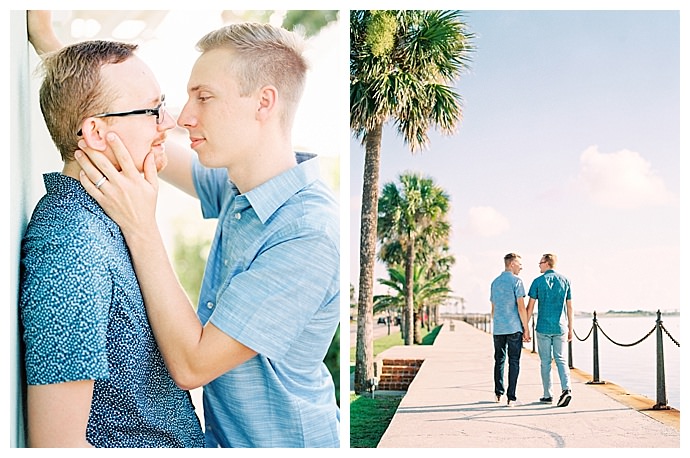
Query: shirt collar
x: 62, y: 185
x: 271, y: 195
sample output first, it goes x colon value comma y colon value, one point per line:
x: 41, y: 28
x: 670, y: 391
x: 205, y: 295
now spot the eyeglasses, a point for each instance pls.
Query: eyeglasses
x: 542, y: 262
x: 158, y: 112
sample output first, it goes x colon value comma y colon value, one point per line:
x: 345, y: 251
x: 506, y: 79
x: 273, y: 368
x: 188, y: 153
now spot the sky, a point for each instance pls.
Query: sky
x: 569, y: 144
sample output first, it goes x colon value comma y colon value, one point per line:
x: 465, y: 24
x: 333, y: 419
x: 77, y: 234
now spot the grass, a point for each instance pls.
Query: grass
x: 369, y: 418
x: 384, y: 343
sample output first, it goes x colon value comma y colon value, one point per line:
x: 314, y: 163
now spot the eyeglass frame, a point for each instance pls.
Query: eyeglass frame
x: 142, y: 111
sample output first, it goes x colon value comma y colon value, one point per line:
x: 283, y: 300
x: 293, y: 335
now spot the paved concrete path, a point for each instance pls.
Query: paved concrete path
x: 451, y: 403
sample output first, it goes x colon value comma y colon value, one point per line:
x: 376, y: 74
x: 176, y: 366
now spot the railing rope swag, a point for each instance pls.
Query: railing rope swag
x: 483, y: 321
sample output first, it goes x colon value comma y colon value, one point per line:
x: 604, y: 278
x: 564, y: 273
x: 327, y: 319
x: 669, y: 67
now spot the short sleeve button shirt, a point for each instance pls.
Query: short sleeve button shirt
x: 272, y: 283
x: 505, y: 290
x: 551, y: 290
x: 84, y: 319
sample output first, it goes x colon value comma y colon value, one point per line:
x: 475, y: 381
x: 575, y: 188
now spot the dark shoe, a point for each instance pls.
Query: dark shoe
x: 512, y: 403
x: 548, y: 400
x: 565, y: 398
x: 498, y: 398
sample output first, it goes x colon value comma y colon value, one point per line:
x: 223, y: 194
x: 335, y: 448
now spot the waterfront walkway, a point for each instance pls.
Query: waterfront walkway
x: 451, y: 403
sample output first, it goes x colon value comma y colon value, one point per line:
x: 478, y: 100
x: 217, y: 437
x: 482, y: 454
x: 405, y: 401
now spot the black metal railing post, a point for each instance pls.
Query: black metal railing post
x: 661, y: 400
x: 595, y: 349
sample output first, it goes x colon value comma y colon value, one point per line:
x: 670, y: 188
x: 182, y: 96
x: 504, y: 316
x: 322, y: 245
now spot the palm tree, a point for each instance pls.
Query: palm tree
x: 408, y: 213
x: 425, y: 290
x: 401, y: 63
x: 431, y: 250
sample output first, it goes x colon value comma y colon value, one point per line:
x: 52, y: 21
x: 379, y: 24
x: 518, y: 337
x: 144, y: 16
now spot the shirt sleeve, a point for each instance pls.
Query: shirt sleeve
x: 65, y: 297
x: 519, y: 289
x: 268, y: 306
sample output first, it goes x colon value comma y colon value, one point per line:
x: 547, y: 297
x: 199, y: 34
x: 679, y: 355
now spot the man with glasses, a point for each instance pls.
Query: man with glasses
x: 510, y: 327
x: 554, y: 326
x: 95, y: 374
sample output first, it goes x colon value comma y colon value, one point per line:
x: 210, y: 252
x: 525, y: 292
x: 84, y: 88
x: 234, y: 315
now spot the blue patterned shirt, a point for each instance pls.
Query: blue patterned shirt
x: 272, y: 283
x: 505, y: 291
x: 84, y: 319
x: 551, y: 290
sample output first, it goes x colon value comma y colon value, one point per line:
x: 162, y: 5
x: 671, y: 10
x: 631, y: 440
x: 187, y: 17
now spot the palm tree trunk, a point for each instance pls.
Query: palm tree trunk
x: 409, y: 289
x: 364, y: 357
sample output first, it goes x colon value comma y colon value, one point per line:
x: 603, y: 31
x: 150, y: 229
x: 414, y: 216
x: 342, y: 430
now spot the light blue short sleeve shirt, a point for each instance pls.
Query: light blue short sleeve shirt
x: 505, y: 291
x: 272, y: 283
x: 551, y: 290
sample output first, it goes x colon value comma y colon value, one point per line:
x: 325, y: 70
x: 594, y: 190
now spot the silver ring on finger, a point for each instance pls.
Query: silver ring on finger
x: 100, y: 182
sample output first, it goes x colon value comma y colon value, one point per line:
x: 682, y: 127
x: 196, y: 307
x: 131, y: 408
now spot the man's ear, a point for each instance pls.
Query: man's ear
x: 93, y: 132
x: 268, y: 98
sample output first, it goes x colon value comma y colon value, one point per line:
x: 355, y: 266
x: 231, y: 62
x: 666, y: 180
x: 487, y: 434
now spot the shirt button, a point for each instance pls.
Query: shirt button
x: 209, y: 305
x: 238, y: 216
x: 225, y: 262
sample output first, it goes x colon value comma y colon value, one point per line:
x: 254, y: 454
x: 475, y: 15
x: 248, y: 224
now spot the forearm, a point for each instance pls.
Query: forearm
x: 40, y: 31
x: 175, y: 325
x: 530, y: 309
x: 523, y: 317
x: 57, y: 414
x: 178, y: 171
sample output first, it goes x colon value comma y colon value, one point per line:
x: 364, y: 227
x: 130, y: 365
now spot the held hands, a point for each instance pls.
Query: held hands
x: 127, y: 197
x: 526, y: 336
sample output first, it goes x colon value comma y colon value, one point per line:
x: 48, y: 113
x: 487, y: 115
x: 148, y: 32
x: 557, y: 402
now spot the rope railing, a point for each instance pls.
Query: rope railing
x: 483, y: 321
x: 661, y: 400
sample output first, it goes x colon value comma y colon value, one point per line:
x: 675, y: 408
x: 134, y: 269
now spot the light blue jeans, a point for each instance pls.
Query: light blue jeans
x: 553, y: 346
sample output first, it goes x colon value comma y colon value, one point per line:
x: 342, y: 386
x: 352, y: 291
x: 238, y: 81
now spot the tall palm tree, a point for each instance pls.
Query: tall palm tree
x: 408, y: 213
x: 401, y: 65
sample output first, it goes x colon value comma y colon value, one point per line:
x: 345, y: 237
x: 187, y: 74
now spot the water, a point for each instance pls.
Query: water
x: 633, y: 368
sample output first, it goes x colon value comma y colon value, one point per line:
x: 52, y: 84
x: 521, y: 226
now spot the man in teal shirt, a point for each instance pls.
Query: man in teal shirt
x: 554, y: 323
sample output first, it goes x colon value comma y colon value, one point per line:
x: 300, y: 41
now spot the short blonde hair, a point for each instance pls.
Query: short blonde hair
x: 73, y: 88
x: 263, y: 55
x: 509, y: 258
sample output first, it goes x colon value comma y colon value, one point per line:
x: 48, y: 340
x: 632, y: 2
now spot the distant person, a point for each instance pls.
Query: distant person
x: 510, y: 327
x: 95, y: 376
x: 554, y: 326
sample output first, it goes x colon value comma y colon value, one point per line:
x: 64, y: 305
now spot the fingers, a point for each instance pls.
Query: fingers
x: 151, y: 170
x: 122, y: 156
x: 90, y: 173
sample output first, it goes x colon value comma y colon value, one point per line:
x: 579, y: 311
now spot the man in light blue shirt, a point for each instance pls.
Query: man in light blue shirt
x: 554, y: 325
x: 269, y: 301
x: 510, y: 327
x: 282, y: 397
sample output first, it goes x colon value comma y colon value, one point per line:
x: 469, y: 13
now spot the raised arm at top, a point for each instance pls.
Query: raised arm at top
x: 40, y: 32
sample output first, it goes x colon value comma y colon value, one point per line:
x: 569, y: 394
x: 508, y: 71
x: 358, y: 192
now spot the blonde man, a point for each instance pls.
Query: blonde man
x: 269, y: 302
x: 510, y: 327
x: 554, y: 325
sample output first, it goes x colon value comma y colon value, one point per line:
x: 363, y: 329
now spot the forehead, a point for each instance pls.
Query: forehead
x: 213, y: 70
x: 131, y: 80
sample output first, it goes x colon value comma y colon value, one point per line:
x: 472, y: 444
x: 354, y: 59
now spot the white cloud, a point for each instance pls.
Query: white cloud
x: 487, y: 222
x: 623, y: 179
